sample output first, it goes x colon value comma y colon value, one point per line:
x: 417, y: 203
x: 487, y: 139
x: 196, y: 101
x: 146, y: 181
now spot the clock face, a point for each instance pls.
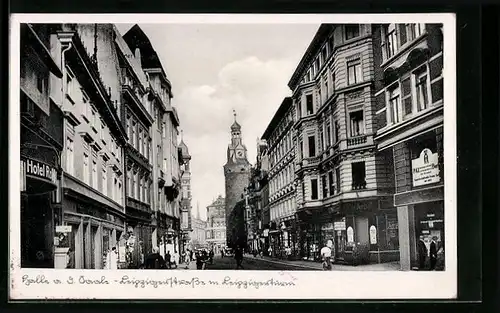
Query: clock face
x: 239, y: 154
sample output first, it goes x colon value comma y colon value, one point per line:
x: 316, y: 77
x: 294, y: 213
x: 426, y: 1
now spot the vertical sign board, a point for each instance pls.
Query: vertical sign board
x: 350, y: 234
x: 373, y: 235
x: 425, y: 169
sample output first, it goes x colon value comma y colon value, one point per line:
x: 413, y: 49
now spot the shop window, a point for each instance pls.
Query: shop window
x: 312, y: 146
x: 358, y: 175
x: 351, y: 31
x: 314, y: 189
x: 309, y: 105
x: 357, y: 123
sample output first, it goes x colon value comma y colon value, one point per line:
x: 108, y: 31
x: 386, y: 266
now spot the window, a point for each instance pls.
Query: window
x: 70, y: 156
x: 318, y: 99
x: 94, y: 175
x: 309, y: 104
x: 357, y: 123
x: 317, y: 65
x: 141, y: 189
x: 337, y: 131
x: 134, y: 185
x: 41, y: 81
x: 314, y: 189
x: 93, y: 121
x: 330, y: 44
x: 331, y: 183
x: 140, y: 140
x: 326, y: 88
x: 69, y: 83
x: 321, y: 139
x: 134, y: 139
x: 390, y: 41
x: 406, y: 96
x: 354, y: 72
x: 312, y: 146
x: 104, y: 181
x: 351, y: 31
x: 299, y: 109
x: 328, y: 133
x: 394, y: 105
x: 413, y: 31
x: 129, y: 184
x: 119, y: 193
x: 86, y: 173
x: 325, y: 186
x: 103, y: 132
x: 115, y: 187
x: 421, y: 88
x: 324, y: 54
x: 358, y: 175
x: 301, y: 148
x: 337, y: 180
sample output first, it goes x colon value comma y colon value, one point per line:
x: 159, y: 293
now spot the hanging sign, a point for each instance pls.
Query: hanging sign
x: 373, y: 235
x: 63, y: 229
x: 339, y: 225
x: 425, y: 169
x: 350, y: 234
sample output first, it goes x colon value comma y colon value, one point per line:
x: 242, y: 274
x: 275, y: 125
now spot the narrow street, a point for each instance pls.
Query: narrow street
x: 249, y: 263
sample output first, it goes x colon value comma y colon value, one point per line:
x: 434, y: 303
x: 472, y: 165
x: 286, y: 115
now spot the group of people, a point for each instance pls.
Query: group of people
x: 432, y: 253
x: 156, y: 261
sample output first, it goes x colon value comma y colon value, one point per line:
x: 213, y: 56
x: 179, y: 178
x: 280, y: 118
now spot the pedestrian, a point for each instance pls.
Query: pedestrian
x: 71, y: 259
x: 433, y: 253
x: 154, y: 260
x: 222, y: 253
x: 422, y: 253
x: 211, y: 256
x: 326, y: 254
x: 270, y: 251
x: 113, y: 259
x: 238, y: 255
x: 199, y: 260
x: 168, y: 259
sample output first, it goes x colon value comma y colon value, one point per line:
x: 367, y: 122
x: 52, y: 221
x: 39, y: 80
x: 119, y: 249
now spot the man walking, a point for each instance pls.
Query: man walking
x: 422, y: 253
x: 238, y: 255
x: 433, y: 253
x: 326, y: 254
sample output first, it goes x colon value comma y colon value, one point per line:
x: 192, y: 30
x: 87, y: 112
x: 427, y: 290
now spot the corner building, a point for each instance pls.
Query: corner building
x: 237, y: 177
x: 279, y: 136
x: 343, y: 186
x: 409, y: 118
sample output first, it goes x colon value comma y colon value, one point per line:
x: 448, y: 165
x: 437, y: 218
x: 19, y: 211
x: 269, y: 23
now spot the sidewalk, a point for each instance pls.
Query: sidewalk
x: 391, y: 266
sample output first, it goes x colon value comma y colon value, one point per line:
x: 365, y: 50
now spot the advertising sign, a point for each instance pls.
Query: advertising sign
x: 425, y: 169
x: 38, y: 169
x: 373, y: 235
x: 63, y: 229
x: 350, y: 234
x: 339, y: 225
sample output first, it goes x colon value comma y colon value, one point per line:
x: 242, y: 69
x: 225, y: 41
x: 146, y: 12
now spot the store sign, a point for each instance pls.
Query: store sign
x: 373, y: 235
x: 63, y: 229
x: 339, y: 225
x: 38, y: 169
x: 425, y: 168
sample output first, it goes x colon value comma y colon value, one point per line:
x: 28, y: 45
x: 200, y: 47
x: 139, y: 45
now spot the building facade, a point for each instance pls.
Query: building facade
x: 186, y: 196
x: 280, y: 138
x: 92, y: 208
x: 216, y: 225
x: 237, y: 176
x: 409, y: 129
x: 198, y: 235
x: 166, y: 160
x: 344, y: 188
x: 41, y: 147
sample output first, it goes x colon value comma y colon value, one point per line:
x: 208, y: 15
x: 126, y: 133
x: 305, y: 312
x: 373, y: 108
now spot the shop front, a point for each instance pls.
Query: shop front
x: 315, y: 229
x: 39, y: 183
x: 89, y: 232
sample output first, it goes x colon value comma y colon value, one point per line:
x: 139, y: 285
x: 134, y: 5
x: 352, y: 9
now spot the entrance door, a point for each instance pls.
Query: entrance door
x: 340, y: 240
x: 362, y: 234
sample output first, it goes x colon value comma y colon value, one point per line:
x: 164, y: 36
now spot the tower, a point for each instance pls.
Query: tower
x: 237, y: 177
x: 186, y: 223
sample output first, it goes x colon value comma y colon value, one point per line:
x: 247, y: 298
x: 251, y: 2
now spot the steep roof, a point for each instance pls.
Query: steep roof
x: 136, y: 38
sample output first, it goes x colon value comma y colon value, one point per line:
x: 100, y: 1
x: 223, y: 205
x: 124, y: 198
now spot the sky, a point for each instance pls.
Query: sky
x: 215, y: 69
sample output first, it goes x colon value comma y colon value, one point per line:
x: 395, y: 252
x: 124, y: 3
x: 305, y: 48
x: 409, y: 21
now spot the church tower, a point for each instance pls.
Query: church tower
x: 237, y: 176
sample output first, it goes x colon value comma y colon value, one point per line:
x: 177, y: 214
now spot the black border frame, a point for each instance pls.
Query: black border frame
x: 475, y: 117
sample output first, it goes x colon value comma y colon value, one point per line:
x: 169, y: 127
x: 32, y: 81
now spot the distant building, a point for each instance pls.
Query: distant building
x: 216, y: 224
x: 198, y: 235
x: 237, y: 176
x: 186, y: 196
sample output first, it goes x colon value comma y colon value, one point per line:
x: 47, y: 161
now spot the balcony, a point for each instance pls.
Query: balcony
x: 356, y: 141
x: 313, y: 161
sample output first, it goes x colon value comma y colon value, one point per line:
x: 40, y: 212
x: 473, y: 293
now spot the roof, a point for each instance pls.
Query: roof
x: 323, y: 31
x: 184, y: 149
x: 235, y: 126
x: 219, y: 201
x: 283, y: 108
x: 136, y: 38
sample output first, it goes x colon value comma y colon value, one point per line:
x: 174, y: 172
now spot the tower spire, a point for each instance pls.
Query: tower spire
x: 182, y: 135
x: 234, y: 113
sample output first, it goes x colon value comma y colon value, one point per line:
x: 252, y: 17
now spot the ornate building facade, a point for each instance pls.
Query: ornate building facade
x: 237, y: 177
x: 343, y: 186
x: 409, y: 130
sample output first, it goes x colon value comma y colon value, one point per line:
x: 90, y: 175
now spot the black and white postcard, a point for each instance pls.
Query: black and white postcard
x: 233, y: 157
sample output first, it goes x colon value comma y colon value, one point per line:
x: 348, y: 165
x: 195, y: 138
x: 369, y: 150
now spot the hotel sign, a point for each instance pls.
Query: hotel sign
x: 36, y: 169
x: 425, y: 169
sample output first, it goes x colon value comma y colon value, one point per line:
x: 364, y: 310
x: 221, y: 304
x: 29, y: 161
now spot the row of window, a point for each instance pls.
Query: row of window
x: 282, y: 209
x: 282, y: 148
x: 329, y: 183
x: 351, y: 31
x: 95, y: 171
x: 283, y: 178
x: 138, y: 186
x: 138, y: 137
x: 397, y: 36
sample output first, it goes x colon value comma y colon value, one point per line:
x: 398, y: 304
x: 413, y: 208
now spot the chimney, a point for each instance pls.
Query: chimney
x: 138, y: 55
